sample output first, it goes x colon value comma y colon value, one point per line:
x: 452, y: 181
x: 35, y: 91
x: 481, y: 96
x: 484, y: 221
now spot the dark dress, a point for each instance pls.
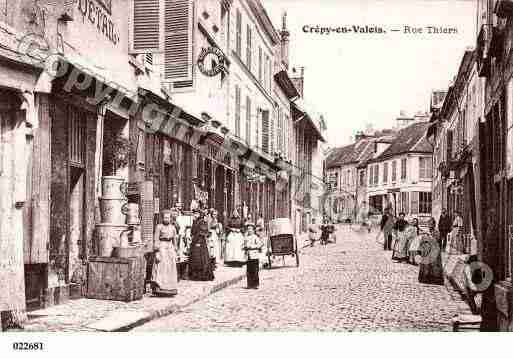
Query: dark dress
x: 200, y: 265
x: 431, y: 269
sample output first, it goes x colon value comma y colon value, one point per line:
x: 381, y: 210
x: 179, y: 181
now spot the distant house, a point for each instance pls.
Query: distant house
x: 399, y: 174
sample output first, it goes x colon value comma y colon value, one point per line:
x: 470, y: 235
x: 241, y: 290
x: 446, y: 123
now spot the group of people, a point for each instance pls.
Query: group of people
x: 204, y: 243
x: 321, y: 232
x: 409, y: 244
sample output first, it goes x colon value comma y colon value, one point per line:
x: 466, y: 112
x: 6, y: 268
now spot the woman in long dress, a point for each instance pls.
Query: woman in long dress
x: 234, y: 254
x: 414, y: 249
x: 200, y: 265
x: 164, y: 276
x: 431, y: 269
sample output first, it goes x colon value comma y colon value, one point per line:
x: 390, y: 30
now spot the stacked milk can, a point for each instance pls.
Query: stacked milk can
x: 118, y: 233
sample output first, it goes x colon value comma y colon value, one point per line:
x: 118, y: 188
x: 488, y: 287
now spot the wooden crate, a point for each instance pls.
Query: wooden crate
x: 119, y: 279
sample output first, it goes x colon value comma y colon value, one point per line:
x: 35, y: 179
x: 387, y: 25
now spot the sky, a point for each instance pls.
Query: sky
x: 358, y: 79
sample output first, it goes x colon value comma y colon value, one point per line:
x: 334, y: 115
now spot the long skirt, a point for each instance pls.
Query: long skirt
x: 400, y: 251
x: 164, y: 279
x: 234, y: 253
x: 431, y: 270
x: 214, y: 245
x: 252, y: 268
x: 200, y: 265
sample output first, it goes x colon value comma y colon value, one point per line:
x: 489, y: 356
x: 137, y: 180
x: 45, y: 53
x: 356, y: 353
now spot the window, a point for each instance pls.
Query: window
x: 279, y: 135
x: 415, y: 203
x: 449, y: 145
x: 237, y: 110
x: 248, y: 120
x: 405, y: 202
x: 376, y: 175
x: 425, y: 202
x: 249, y: 49
x: 371, y: 175
x: 362, y: 178
x: 260, y: 64
x: 403, y: 169
x: 425, y: 168
x: 385, y: 172
x: 238, y: 33
x: 394, y: 171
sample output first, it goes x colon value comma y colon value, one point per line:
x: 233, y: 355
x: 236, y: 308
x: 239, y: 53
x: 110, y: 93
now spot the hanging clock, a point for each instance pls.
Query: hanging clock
x: 211, y: 61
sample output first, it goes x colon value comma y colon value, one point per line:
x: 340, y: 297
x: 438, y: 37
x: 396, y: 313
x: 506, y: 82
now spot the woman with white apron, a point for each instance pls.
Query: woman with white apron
x: 234, y: 253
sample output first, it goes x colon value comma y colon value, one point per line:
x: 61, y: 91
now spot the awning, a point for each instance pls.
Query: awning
x: 300, y: 113
x: 286, y: 84
x: 431, y: 129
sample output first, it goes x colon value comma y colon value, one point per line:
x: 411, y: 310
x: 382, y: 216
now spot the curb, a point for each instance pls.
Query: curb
x: 156, y: 314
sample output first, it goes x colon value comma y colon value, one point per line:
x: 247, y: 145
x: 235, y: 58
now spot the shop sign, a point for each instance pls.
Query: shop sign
x: 99, y: 12
x: 211, y: 61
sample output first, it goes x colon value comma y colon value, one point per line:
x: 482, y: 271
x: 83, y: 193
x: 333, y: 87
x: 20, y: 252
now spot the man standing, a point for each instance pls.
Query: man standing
x: 444, y: 227
x: 386, y: 225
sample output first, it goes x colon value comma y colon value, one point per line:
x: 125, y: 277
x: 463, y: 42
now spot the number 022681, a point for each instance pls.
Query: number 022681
x: 27, y: 346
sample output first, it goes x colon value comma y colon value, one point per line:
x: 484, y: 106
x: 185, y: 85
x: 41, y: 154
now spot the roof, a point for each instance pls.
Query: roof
x: 341, y: 156
x: 410, y: 139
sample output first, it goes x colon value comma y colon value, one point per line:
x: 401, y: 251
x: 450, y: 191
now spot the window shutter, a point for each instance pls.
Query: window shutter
x: 265, y: 131
x: 414, y: 202
x: 249, y: 50
x: 248, y: 120
x: 260, y: 64
x: 237, y: 111
x: 238, y: 35
x: 271, y: 133
x: 147, y: 33
x: 178, y: 40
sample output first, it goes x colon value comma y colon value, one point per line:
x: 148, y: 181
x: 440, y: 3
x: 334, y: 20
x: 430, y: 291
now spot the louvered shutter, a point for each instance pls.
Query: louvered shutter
x: 238, y: 33
x: 265, y: 131
x: 260, y: 64
x: 147, y: 30
x: 178, y: 40
x: 237, y: 111
x: 249, y: 50
x: 248, y: 121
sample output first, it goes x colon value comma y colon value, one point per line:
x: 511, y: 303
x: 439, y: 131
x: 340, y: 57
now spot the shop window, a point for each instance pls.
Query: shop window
x: 425, y: 201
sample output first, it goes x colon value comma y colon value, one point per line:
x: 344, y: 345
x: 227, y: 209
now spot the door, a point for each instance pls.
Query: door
x: 220, y: 192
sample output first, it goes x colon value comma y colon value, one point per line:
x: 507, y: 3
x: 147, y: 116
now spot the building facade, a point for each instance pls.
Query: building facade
x: 191, y: 101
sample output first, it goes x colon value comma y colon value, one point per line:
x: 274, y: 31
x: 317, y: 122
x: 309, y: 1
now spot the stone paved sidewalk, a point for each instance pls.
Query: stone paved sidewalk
x: 92, y: 315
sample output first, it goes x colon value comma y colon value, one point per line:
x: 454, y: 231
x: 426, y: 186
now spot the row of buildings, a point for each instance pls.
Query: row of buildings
x: 388, y: 168
x: 186, y: 100
x: 473, y: 154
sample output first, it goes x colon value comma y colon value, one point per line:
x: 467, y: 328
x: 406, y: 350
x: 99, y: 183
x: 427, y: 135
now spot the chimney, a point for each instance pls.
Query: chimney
x: 285, y: 40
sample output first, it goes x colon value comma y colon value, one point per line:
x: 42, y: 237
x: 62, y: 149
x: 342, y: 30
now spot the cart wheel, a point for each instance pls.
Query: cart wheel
x: 297, y: 260
x: 269, y: 260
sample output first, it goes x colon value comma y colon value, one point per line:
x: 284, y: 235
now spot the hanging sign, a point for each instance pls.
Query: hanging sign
x: 211, y: 61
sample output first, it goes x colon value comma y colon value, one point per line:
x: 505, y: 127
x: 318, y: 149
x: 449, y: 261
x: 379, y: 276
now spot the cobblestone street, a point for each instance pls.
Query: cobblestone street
x: 349, y: 286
